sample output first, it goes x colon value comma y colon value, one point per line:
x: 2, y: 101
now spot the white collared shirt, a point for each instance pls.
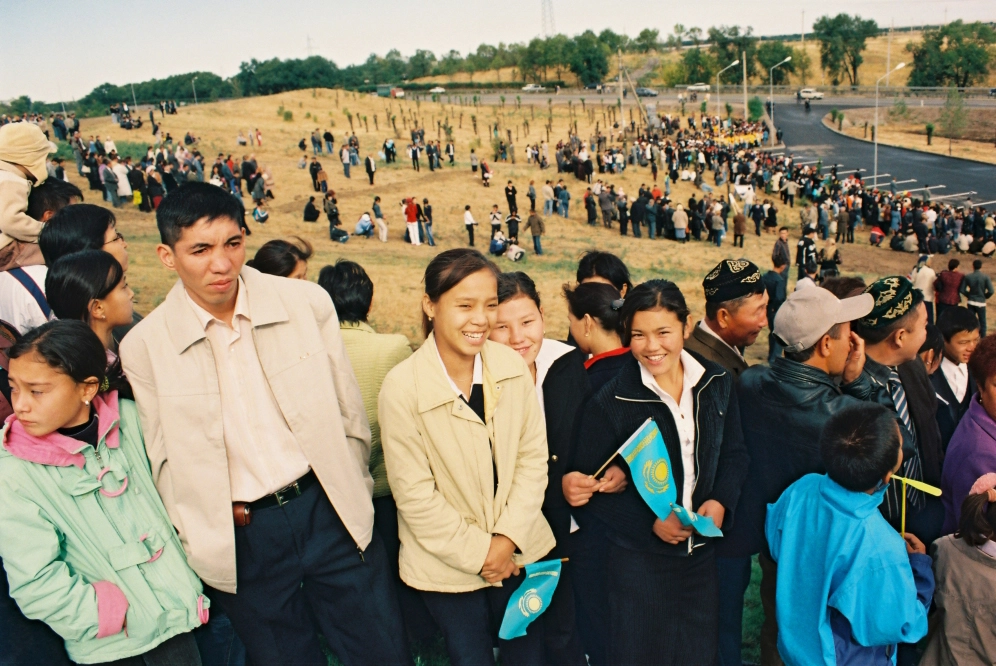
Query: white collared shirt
x: 684, y: 418
x: 550, y: 351
x: 478, y: 375
x: 263, y: 454
x: 957, y: 376
x: 705, y: 327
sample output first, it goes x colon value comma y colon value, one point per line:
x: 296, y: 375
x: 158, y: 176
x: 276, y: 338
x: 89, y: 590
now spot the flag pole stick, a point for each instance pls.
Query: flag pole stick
x: 602, y: 468
x: 902, y: 520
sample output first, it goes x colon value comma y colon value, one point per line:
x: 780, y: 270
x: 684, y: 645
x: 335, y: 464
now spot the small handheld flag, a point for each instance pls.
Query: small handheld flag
x: 919, y: 485
x: 531, y: 599
x: 650, y: 466
x: 701, y: 524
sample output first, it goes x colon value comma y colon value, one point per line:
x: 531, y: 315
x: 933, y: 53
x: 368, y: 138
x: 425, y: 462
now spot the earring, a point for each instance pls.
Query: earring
x: 86, y: 402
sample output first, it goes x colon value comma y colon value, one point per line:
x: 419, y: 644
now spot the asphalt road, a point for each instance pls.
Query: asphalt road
x: 806, y: 138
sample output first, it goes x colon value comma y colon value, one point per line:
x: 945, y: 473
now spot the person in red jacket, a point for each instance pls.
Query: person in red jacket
x: 947, y: 287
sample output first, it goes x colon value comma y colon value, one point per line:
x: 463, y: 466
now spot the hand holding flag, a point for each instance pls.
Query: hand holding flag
x: 531, y: 599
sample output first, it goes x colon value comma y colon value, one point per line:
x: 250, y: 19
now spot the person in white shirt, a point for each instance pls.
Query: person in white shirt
x: 953, y: 383
x: 470, y: 223
x: 923, y: 278
x: 109, y: 146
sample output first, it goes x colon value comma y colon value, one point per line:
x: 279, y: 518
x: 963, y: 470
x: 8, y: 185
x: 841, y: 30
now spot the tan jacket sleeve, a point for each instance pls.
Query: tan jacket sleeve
x: 436, y: 524
x: 525, y: 498
x: 14, y: 221
x: 138, y: 369
x: 347, y: 389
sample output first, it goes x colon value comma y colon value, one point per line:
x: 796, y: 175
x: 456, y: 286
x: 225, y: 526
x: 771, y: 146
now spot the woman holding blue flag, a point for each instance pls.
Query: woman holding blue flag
x: 561, y: 387
x: 466, y: 454
x: 661, y: 578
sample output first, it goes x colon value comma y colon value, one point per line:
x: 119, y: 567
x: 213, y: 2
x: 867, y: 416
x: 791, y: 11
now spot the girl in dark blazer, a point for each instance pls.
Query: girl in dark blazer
x: 661, y: 578
x: 561, y: 387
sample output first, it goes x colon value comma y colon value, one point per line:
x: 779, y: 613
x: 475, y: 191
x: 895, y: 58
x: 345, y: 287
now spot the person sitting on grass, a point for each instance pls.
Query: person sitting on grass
x: 849, y: 588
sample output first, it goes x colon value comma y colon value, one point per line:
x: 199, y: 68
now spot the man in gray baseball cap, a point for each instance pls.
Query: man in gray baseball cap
x: 783, y: 409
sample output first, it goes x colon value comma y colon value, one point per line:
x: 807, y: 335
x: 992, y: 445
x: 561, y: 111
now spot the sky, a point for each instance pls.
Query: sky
x: 54, y: 50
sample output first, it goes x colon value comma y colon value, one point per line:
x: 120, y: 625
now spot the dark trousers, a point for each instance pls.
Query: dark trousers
x: 769, y: 630
x: 470, y: 233
x: 469, y: 620
x: 299, y: 574
x: 589, y: 560
x: 25, y: 642
x: 930, y: 312
x: 370, y: 175
x: 738, y: 240
x: 217, y: 641
x: 981, y: 314
x: 734, y: 577
x: 178, y: 651
x: 532, y: 204
x: 418, y: 622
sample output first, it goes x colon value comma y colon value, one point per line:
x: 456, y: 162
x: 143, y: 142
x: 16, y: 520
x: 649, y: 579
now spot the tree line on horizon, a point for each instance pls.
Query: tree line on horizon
x: 956, y: 54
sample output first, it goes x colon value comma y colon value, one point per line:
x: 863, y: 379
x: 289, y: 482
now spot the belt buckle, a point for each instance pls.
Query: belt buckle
x: 283, y: 495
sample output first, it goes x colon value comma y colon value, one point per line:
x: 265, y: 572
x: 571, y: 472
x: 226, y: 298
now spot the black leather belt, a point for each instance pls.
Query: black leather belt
x: 242, y: 511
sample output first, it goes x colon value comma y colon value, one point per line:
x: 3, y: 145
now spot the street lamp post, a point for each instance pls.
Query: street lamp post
x: 771, y: 98
x: 875, y: 127
x: 719, y: 110
x: 193, y: 83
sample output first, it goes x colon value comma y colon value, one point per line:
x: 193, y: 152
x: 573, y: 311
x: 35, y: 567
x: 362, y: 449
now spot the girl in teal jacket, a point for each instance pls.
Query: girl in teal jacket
x: 85, y: 540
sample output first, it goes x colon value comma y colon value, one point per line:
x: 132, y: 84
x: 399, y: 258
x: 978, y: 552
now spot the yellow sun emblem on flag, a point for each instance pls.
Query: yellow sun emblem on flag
x: 531, y: 603
x: 656, y: 476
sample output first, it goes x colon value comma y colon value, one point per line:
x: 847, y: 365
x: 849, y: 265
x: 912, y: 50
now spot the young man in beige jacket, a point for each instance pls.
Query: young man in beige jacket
x: 259, y: 443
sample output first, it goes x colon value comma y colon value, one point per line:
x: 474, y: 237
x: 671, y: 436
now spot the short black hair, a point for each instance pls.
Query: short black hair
x: 934, y: 341
x: 280, y: 257
x: 76, y: 279
x: 595, y: 263
x: 977, y: 264
x: 184, y: 206
x: 956, y: 319
x: 351, y: 290
x: 52, y: 195
x: 734, y: 304
x: 517, y: 283
x: 860, y: 444
x: 73, y: 229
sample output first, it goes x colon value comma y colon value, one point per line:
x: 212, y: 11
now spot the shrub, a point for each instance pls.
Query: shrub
x: 288, y: 116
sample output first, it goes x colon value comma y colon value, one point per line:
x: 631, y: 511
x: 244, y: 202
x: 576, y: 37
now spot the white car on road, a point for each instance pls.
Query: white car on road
x: 810, y: 93
x: 437, y: 90
x: 698, y: 87
x: 533, y: 87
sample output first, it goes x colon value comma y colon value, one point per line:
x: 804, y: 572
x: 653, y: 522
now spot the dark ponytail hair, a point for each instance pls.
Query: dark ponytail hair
x: 67, y: 346
x: 76, y: 279
x: 447, y: 270
x: 652, y: 295
x: 280, y: 257
x: 515, y: 284
x: 598, y: 300
x: 978, y: 520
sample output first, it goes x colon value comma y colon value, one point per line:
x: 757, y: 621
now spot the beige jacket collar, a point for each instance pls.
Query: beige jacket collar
x: 434, y: 387
x: 185, y: 327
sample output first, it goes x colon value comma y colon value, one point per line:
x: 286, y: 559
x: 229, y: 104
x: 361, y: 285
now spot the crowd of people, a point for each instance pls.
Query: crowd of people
x: 172, y: 496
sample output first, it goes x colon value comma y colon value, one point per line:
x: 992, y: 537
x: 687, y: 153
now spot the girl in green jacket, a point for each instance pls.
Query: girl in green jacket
x: 85, y: 540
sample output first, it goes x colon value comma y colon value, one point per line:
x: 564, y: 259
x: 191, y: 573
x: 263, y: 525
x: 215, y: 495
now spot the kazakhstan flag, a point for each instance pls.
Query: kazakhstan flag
x: 531, y: 599
x: 650, y: 467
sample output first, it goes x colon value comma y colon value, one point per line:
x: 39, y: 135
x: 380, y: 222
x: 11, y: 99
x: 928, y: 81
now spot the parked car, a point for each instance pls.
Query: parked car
x: 593, y: 86
x: 699, y: 87
x: 992, y: 92
x: 810, y: 93
x: 533, y: 88
x: 437, y: 90
x: 646, y: 92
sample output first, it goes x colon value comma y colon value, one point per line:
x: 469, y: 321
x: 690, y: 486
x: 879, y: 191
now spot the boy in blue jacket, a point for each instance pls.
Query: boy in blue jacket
x: 848, y: 587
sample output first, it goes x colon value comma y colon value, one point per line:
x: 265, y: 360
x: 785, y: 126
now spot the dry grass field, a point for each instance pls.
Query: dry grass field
x: 397, y: 267
x: 908, y: 130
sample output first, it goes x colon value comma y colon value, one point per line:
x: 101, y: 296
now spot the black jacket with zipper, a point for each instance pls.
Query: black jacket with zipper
x: 619, y: 408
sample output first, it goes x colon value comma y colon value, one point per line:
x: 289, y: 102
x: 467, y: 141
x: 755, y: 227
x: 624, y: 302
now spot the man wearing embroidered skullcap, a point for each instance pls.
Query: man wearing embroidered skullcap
x: 736, y: 312
x: 736, y: 304
x: 893, y: 332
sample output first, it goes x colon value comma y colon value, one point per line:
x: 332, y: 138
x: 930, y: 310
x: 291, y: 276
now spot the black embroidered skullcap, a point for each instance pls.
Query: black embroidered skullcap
x: 893, y: 299
x: 732, y: 279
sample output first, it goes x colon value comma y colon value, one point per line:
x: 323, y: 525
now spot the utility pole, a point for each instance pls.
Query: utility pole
x: 743, y: 59
x: 619, y: 55
x: 133, y: 100
x: 803, y: 30
x: 193, y: 84
x: 888, y: 55
x: 311, y: 50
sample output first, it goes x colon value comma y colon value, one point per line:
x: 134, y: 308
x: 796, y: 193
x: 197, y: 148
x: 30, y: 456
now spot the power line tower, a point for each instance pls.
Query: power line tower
x: 549, y: 29
x: 311, y: 47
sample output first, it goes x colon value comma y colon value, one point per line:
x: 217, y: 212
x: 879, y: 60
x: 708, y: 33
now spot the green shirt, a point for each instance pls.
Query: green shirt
x: 372, y: 356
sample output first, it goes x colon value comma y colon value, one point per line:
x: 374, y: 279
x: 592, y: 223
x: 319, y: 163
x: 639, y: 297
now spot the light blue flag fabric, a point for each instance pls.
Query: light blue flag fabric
x: 701, y: 524
x: 650, y: 467
x: 531, y: 599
